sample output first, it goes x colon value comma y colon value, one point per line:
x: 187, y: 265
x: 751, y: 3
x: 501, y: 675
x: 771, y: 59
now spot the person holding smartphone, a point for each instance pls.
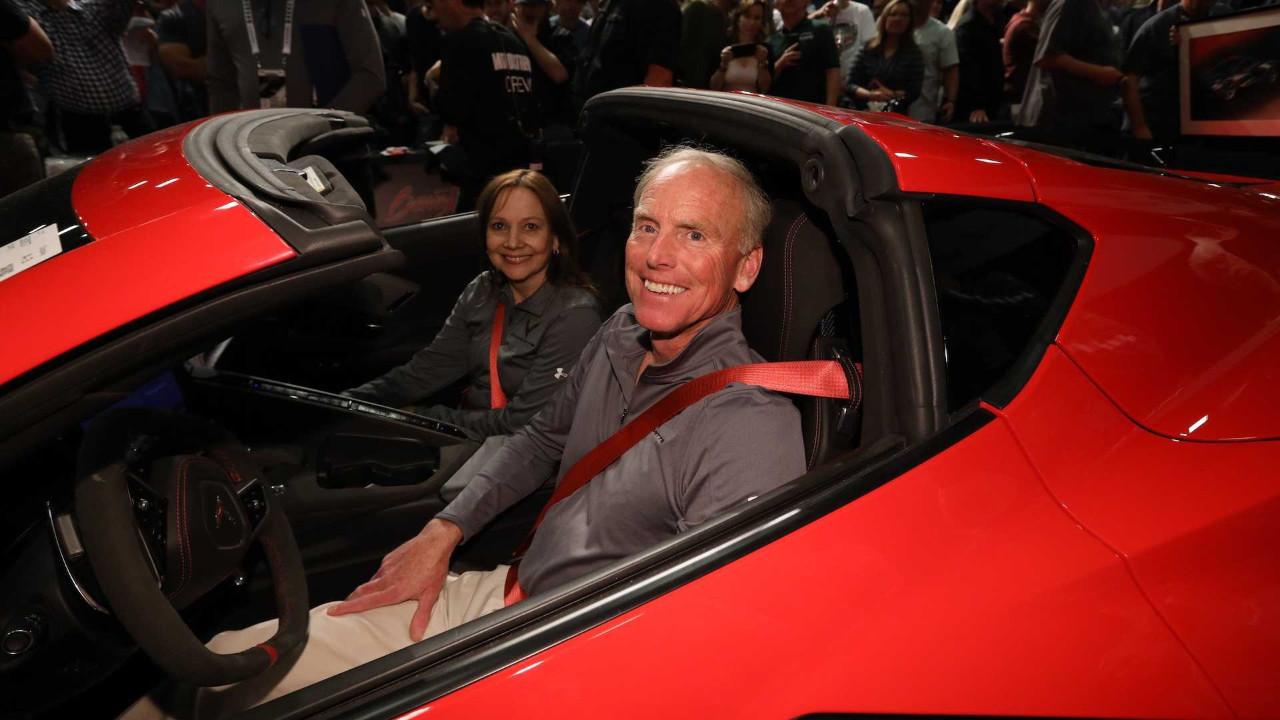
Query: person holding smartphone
x: 745, y: 65
x: 807, y: 66
x: 890, y: 70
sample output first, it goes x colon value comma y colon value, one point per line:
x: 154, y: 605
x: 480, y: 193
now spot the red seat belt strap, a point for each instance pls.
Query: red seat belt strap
x: 817, y: 378
x: 497, y: 398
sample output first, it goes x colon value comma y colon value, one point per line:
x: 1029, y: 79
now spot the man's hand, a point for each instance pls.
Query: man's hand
x: 449, y: 134
x: 414, y: 571
x: 979, y: 116
x: 829, y: 11
x: 947, y: 111
x: 789, y: 57
x: 526, y: 30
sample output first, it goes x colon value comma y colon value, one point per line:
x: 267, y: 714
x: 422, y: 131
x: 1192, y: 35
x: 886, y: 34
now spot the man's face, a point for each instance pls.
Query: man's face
x: 531, y: 13
x: 569, y: 10
x: 498, y: 11
x: 791, y: 10
x: 450, y: 14
x: 683, y: 259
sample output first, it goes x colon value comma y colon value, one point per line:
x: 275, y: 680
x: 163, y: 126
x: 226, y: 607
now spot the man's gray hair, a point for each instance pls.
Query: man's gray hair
x: 755, y: 203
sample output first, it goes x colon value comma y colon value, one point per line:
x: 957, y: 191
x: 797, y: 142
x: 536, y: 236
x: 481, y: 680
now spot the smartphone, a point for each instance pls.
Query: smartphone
x: 744, y: 50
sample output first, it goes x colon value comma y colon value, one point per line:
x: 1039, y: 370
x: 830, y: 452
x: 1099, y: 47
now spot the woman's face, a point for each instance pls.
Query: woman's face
x: 518, y: 239
x: 750, y: 22
x: 897, y: 19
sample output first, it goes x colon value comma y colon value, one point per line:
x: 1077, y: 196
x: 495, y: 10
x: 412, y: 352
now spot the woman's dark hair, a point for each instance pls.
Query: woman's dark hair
x: 563, y: 269
x: 908, y: 38
x: 766, y: 20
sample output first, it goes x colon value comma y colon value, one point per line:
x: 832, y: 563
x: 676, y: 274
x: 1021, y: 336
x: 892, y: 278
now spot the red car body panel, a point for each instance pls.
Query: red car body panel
x: 1200, y: 541
x: 1178, y: 314
x: 162, y: 234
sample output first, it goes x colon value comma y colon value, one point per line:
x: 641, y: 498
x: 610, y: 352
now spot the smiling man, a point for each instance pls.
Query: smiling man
x: 694, y: 245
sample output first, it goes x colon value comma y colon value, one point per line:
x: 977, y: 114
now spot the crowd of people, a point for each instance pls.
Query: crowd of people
x: 504, y: 79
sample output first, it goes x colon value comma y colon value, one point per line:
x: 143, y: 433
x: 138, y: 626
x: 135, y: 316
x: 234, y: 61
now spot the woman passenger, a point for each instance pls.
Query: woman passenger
x: 888, y: 73
x: 534, y: 288
x: 748, y: 25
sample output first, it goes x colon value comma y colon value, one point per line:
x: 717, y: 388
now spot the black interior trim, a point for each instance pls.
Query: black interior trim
x: 918, y: 362
x: 243, y: 154
x: 764, y: 126
x: 454, y: 659
x: 1002, y: 392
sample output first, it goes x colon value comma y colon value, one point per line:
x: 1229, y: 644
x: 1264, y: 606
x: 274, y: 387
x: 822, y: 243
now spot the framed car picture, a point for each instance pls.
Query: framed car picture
x: 1229, y: 75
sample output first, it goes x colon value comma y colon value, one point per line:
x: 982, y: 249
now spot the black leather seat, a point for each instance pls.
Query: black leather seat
x: 803, y: 307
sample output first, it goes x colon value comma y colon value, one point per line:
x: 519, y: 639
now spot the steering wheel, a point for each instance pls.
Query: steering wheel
x: 168, y: 505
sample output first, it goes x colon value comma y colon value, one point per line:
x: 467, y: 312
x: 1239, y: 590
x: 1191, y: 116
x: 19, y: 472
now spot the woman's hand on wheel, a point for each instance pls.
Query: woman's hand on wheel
x: 414, y: 571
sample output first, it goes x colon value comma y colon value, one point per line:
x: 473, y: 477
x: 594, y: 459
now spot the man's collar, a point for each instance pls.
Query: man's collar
x: 725, y: 327
x: 627, y: 344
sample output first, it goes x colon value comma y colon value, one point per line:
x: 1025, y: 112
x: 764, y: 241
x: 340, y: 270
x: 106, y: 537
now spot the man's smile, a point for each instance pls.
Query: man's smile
x: 663, y: 288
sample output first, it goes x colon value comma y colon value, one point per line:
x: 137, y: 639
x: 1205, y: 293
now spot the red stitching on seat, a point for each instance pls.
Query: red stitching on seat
x: 788, y: 254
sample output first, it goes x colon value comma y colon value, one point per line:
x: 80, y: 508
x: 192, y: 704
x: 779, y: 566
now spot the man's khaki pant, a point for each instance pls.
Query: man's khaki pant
x: 334, y: 644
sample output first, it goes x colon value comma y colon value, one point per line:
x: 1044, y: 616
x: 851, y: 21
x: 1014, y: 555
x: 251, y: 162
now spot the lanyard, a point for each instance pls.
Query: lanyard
x: 285, y: 49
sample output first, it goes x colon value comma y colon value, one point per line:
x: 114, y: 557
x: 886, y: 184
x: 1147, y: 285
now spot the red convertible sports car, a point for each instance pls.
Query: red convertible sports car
x: 1057, y: 497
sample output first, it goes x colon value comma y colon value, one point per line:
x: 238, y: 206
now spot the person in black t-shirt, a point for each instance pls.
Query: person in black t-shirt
x: 807, y: 65
x: 425, y: 42
x: 633, y: 42
x: 1151, y: 68
x: 553, y: 58
x: 182, y: 44
x: 485, y: 96
x: 978, y: 37
x: 1072, y: 87
x: 22, y: 42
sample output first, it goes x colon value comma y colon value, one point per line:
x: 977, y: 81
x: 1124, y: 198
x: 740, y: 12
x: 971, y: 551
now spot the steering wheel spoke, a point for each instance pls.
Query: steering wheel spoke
x: 149, y: 511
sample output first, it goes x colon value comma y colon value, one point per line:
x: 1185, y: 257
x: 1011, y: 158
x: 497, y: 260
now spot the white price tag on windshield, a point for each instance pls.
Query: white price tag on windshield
x: 28, y: 251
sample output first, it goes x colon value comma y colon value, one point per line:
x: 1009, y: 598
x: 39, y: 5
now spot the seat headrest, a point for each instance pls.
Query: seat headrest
x: 799, y: 282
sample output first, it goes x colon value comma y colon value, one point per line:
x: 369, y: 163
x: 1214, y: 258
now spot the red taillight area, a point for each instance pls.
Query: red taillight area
x: 161, y: 235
